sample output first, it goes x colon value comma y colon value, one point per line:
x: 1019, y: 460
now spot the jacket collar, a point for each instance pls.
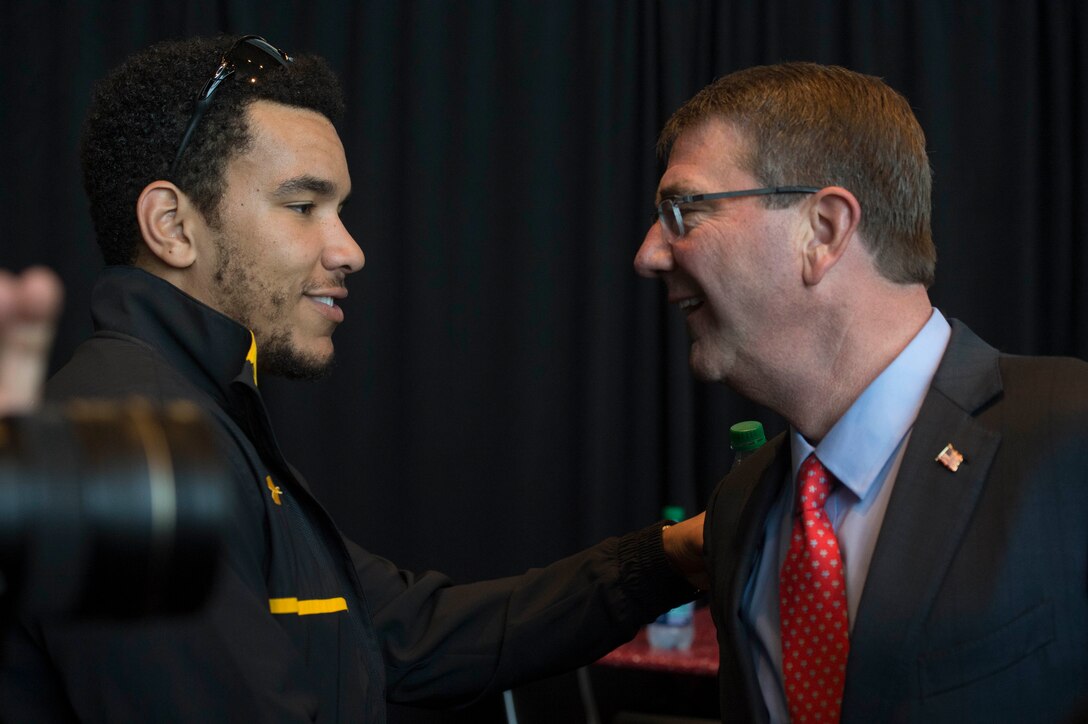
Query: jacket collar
x: 212, y: 350
x: 969, y: 374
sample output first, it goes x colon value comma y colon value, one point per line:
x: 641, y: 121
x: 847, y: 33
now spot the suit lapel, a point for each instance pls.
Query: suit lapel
x: 929, y: 510
x: 739, y: 511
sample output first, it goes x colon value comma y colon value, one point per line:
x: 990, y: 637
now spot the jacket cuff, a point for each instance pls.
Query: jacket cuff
x: 650, y: 582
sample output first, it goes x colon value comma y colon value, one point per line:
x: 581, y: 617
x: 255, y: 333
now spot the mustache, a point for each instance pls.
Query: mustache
x: 335, y: 282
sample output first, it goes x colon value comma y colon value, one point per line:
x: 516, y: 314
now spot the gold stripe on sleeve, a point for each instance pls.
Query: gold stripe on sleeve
x: 307, y: 608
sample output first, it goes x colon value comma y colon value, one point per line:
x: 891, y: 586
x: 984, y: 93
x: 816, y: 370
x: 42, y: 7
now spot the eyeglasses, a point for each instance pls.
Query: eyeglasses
x: 248, y: 60
x: 668, y: 211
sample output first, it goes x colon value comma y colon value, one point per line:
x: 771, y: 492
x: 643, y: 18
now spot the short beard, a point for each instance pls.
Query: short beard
x: 276, y: 357
x: 237, y: 289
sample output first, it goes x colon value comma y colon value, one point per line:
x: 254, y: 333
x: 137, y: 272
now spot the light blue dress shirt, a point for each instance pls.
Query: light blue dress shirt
x: 863, y: 450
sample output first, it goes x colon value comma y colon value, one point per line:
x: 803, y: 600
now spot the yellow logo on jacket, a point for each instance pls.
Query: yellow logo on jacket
x: 276, y: 492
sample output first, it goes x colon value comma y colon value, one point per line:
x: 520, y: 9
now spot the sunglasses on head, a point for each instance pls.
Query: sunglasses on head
x: 247, y: 61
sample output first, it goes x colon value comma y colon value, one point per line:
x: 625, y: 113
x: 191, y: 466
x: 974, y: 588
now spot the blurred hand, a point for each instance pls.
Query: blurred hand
x: 684, y: 548
x: 29, y: 306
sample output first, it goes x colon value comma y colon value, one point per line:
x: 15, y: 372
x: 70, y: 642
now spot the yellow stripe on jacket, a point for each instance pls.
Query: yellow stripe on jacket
x: 307, y: 608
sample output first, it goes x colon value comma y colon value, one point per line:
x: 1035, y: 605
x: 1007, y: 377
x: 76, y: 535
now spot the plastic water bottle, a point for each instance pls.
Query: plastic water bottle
x: 745, y: 438
x: 675, y: 629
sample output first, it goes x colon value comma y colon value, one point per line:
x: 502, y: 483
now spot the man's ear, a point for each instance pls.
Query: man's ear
x: 161, y: 210
x: 834, y: 214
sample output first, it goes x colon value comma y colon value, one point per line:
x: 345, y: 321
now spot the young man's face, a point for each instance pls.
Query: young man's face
x: 278, y: 260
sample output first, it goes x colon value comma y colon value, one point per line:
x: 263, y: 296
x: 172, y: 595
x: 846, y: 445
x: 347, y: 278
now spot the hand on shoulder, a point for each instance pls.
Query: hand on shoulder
x: 683, y: 544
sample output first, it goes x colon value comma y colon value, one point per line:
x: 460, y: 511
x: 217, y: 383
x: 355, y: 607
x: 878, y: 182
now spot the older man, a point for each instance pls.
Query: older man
x: 915, y: 547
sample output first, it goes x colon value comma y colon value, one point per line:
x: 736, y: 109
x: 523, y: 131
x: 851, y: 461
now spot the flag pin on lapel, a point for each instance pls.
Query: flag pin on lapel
x: 950, y: 457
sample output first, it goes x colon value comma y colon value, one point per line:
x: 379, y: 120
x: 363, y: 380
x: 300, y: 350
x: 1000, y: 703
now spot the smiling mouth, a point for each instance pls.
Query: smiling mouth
x: 325, y: 305
x: 686, y: 305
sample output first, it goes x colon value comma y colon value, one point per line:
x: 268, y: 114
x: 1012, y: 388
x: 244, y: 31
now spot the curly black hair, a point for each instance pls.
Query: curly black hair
x: 138, y: 114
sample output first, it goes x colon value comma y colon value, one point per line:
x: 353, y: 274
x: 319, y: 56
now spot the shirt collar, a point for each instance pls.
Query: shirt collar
x: 857, y: 447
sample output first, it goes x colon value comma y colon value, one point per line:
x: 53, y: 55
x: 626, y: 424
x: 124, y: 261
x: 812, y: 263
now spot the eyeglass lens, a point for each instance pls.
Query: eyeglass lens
x: 671, y: 220
x: 251, y: 59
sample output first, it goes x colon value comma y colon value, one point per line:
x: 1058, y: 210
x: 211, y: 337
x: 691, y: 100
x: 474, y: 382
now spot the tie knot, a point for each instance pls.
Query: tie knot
x: 813, y: 484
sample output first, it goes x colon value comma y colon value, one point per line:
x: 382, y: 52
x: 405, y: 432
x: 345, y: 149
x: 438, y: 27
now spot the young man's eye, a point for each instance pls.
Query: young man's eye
x: 304, y: 208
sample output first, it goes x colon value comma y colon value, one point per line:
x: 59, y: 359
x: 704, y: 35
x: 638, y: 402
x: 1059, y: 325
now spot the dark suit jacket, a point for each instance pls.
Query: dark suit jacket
x: 975, y: 608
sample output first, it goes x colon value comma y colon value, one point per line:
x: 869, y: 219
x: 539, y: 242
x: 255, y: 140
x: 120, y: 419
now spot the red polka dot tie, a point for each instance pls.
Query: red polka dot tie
x: 812, y: 606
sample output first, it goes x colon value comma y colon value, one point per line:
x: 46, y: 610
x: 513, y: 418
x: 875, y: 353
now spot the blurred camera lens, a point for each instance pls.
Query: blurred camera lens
x: 113, y: 509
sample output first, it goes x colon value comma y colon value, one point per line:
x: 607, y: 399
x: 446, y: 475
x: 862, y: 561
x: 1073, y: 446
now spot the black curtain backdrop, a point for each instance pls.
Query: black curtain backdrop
x: 508, y: 390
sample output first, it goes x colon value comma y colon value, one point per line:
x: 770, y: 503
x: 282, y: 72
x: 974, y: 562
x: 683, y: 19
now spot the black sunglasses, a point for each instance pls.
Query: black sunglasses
x: 247, y: 61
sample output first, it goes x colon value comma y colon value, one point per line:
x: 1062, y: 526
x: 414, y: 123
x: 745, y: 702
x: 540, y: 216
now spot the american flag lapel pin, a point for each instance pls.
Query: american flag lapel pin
x: 950, y: 457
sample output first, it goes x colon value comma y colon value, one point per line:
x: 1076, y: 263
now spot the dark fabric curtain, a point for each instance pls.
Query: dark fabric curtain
x: 507, y: 389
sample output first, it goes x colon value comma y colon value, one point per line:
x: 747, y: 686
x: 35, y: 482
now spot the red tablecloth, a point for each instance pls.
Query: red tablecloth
x: 701, y: 659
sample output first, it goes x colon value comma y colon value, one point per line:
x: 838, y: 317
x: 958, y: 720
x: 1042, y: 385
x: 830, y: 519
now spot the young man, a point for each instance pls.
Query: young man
x: 216, y: 179
x: 933, y: 567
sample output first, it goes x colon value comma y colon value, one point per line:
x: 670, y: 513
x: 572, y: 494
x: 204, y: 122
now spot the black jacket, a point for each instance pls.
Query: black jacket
x: 375, y: 633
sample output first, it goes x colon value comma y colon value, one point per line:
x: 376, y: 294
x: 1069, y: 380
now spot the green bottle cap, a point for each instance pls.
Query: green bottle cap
x: 746, y: 436
x: 673, y: 512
